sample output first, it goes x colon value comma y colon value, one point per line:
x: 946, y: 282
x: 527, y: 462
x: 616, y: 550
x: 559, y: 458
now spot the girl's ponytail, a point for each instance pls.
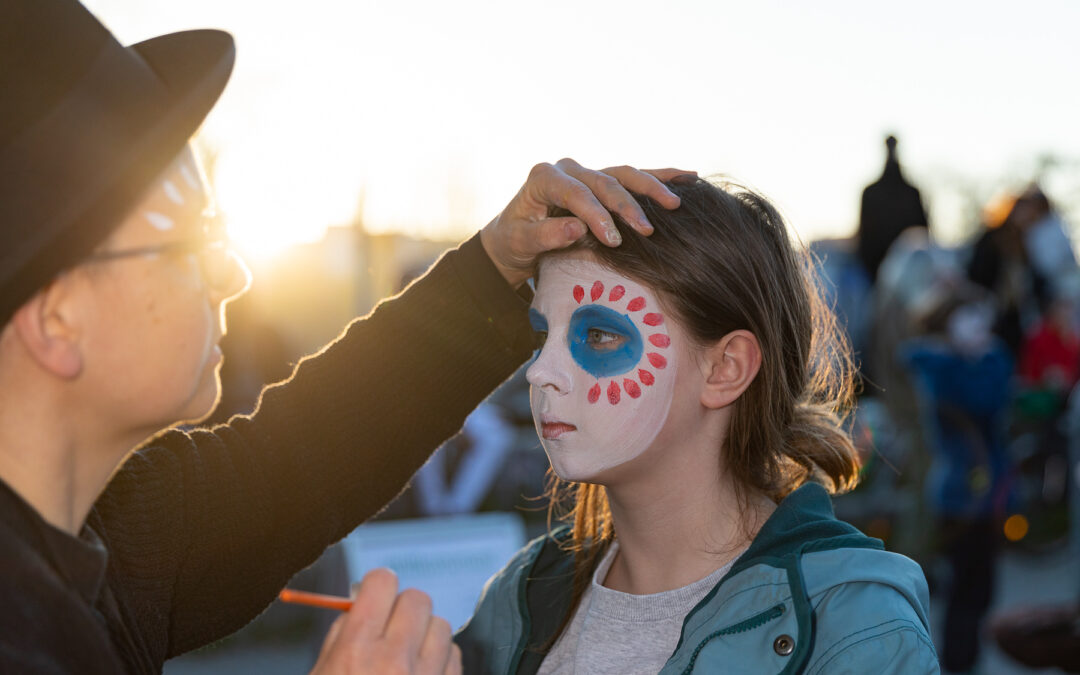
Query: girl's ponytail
x: 821, y: 447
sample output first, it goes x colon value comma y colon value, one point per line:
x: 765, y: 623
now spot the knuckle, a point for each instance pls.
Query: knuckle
x: 416, y: 599
x: 378, y: 586
x: 578, y: 189
x: 540, y: 170
x: 608, y: 182
x: 381, y: 576
x: 581, y: 192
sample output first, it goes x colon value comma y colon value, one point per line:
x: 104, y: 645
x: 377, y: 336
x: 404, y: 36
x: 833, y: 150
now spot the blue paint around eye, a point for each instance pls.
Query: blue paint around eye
x: 601, y: 363
x: 539, y: 323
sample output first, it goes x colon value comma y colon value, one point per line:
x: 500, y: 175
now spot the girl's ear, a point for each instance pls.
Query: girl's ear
x: 47, y: 333
x: 729, y: 367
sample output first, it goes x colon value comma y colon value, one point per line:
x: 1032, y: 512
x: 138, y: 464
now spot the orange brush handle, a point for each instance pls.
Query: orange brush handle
x: 315, y: 600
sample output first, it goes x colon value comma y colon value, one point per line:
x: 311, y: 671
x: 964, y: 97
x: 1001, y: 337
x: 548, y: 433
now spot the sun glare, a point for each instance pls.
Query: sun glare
x: 404, y: 105
x: 271, y: 204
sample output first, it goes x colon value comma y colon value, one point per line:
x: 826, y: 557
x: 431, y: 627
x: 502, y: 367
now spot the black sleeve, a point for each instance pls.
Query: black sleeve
x: 205, y: 527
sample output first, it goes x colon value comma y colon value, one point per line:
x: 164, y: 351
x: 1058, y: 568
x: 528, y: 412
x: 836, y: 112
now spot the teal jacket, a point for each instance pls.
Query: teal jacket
x: 811, y: 595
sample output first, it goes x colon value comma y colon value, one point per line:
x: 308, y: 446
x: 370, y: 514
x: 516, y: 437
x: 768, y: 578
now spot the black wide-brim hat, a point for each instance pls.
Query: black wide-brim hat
x: 86, y: 125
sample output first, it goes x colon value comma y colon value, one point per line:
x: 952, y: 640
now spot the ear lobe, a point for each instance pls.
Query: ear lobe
x: 47, y: 336
x: 730, y: 366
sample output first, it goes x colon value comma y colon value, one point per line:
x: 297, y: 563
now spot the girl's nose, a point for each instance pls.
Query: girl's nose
x: 550, y: 371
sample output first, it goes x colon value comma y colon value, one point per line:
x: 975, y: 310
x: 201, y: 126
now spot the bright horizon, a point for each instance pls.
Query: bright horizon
x: 431, y: 114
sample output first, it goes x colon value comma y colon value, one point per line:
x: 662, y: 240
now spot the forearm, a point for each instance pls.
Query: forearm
x: 257, y: 499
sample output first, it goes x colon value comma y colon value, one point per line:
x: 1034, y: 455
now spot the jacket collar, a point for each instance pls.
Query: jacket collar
x: 804, y: 521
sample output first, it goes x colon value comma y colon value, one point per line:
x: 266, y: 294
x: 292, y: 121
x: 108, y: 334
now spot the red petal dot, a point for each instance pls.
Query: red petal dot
x: 653, y: 319
x: 579, y: 293
x: 645, y: 376
x: 660, y: 340
x: 597, y: 290
x: 636, y: 304
x: 657, y: 360
x: 616, y: 293
x: 632, y: 388
x: 613, y: 393
x: 594, y: 393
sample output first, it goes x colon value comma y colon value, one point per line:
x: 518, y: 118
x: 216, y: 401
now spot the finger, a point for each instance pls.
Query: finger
x: 454, y: 665
x: 649, y: 183
x: 373, y: 602
x: 435, y: 650
x: 611, y: 192
x: 409, y: 621
x: 558, y: 188
x: 672, y: 175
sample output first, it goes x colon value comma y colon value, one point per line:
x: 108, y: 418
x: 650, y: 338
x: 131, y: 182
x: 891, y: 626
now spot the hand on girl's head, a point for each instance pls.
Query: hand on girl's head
x: 524, y: 229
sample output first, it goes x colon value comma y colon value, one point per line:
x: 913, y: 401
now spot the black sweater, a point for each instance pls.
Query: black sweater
x: 199, y: 531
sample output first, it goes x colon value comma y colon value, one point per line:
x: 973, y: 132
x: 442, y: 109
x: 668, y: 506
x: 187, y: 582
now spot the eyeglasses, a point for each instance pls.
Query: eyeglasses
x: 222, y: 268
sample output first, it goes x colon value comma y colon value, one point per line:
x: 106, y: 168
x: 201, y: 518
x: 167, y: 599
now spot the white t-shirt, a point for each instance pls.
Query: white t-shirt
x: 615, y: 633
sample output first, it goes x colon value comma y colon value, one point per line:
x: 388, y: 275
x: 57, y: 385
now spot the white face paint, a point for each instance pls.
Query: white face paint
x: 188, y: 174
x: 172, y: 192
x: 182, y: 189
x: 603, y: 383
x: 159, y: 221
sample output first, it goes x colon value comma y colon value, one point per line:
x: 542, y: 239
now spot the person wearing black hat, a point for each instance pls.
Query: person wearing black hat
x: 112, y: 288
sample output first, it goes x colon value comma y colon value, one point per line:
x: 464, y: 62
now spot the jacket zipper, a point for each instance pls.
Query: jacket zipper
x: 753, y: 622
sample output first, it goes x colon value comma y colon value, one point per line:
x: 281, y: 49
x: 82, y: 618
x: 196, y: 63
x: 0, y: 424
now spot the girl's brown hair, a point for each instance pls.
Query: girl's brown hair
x: 724, y: 261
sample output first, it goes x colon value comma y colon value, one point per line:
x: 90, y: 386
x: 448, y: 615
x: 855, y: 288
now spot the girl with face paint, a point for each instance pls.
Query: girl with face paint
x: 688, y: 389
x: 602, y: 387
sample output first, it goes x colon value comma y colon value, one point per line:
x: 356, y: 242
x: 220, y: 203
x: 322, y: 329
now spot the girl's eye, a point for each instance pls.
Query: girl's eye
x: 604, y: 341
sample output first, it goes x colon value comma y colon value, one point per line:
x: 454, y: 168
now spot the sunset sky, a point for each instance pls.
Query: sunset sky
x: 430, y: 114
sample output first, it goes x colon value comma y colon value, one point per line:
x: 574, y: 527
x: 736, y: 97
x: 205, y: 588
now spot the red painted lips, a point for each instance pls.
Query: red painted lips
x: 552, y: 430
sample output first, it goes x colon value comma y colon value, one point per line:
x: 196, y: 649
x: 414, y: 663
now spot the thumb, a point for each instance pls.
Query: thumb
x: 556, y: 233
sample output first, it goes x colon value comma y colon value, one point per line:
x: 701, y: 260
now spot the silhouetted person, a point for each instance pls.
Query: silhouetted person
x: 890, y: 205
